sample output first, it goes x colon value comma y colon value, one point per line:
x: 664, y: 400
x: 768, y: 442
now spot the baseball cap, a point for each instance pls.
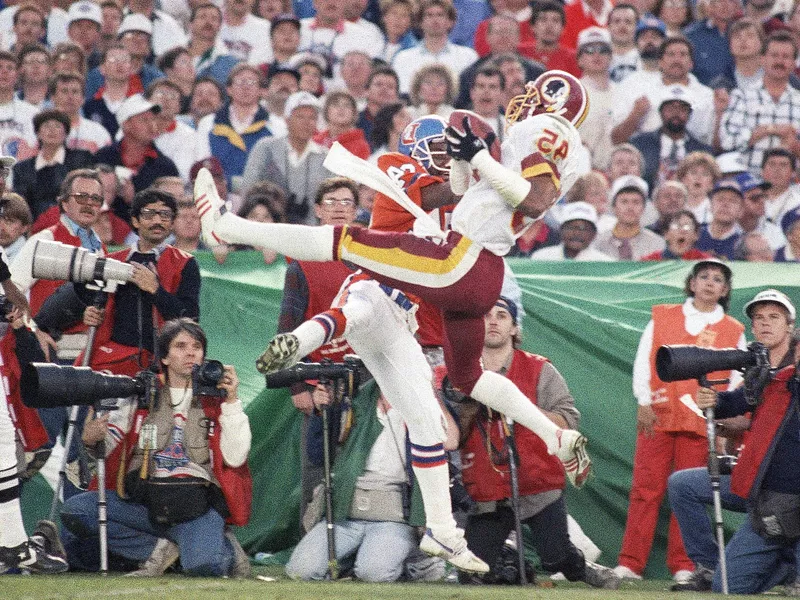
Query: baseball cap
x: 789, y: 219
x: 579, y: 211
x: 299, y: 99
x: 509, y: 305
x: 730, y: 163
x: 771, y: 295
x: 747, y: 181
x: 285, y: 18
x: 305, y: 58
x: 85, y: 10
x: 676, y: 93
x: 648, y: 21
x: 135, y: 22
x: 712, y: 262
x: 727, y: 184
x: 135, y: 105
x: 594, y: 35
x: 629, y: 182
x: 278, y: 70
x: 211, y: 163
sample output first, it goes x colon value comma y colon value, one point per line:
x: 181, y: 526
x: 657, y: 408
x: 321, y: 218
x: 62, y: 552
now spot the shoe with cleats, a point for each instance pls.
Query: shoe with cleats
x: 454, y: 550
x: 281, y: 353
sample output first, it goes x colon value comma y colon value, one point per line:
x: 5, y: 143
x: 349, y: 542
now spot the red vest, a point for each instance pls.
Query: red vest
x: 668, y: 328
x: 26, y: 420
x: 758, y: 440
x: 323, y: 282
x: 538, y: 472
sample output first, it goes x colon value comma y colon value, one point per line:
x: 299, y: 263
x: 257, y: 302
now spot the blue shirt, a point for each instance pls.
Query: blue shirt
x: 712, y: 53
x: 469, y: 14
x: 722, y: 248
x: 89, y: 239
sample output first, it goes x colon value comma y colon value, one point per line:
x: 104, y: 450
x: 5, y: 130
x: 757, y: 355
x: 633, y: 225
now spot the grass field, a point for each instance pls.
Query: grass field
x: 175, y: 587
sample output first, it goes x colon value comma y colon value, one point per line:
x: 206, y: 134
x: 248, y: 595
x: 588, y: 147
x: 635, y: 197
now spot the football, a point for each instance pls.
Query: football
x: 479, y: 126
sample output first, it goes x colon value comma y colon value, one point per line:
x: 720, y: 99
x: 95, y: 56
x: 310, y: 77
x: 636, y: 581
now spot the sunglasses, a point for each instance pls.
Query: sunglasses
x: 85, y: 199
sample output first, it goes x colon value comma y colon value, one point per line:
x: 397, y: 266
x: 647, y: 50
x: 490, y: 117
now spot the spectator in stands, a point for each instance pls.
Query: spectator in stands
x: 432, y: 91
x: 205, y: 46
x: 115, y: 71
x: 15, y: 223
x: 397, y: 19
x: 722, y: 233
x: 699, y: 172
x: 790, y: 223
x: 285, y: 37
x: 243, y: 34
x: 355, y: 12
x: 437, y: 19
x: 514, y: 70
x: 166, y: 31
x: 486, y: 97
x: 354, y: 73
x: 207, y: 98
x: 17, y: 137
x: 38, y: 179
x: 753, y: 217
x: 390, y: 122
x: 178, y: 66
x: 69, y: 58
x: 778, y: 168
x: 754, y: 247
x: 768, y: 116
x: 626, y: 159
x: 234, y: 130
x: 301, y: 176
x: 676, y: 15
x: 112, y: 19
x: 671, y: 437
x: 28, y: 26
x: 549, y: 21
x: 681, y: 235
x: 708, y: 36
x: 136, y: 34
x: 625, y: 59
x: 578, y: 230
x: 383, y: 88
x: 339, y: 114
x: 628, y: 240
x: 485, y: 472
x: 312, y: 68
x: 84, y: 21
x: 66, y: 93
x: 34, y: 66
x: 186, y: 228
x: 664, y: 148
x: 520, y: 41
x: 175, y: 139
x: 595, y: 189
x: 640, y: 114
x: 669, y: 199
x: 328, y: 33
x: 579, y: 16
x: 746, y: 41
x: 136, y: 150
x: 282, y: 82
x: 594, y: 58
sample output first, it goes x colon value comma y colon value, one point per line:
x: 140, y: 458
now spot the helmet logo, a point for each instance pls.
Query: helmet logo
x: 409, y: 136
x: 555, y: 93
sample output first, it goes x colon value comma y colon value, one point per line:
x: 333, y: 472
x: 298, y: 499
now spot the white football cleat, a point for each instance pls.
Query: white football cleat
x: 209, y: 205
x: 281, y: 353
x: 571, y: 451
x: 454, y: 550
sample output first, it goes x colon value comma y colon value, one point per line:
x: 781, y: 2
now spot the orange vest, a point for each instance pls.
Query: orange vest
x: 668, y: 328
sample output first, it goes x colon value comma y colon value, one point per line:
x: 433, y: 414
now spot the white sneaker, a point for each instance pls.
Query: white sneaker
x: 682, y: 576
x: 281, y: 353
x: 571, y: 451
x: 624, y: 572
x: 209, y: 205
x: 454, y: 550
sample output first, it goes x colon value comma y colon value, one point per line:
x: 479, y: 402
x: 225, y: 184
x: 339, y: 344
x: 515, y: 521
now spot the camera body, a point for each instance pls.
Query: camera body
x: 351, y: 371
x: 206, y: 377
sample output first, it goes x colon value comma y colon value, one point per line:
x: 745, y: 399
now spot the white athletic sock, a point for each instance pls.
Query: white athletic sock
x: 501, y: 394
x: 301, y: 242
x: 311, y: 336
x: 12, y: 530
x: 434, y: 485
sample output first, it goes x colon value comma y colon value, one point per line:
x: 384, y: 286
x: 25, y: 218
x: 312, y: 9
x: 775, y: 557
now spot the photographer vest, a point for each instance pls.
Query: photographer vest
x: 762, y: 435
x: 668, y: 328
x: 484, y: 479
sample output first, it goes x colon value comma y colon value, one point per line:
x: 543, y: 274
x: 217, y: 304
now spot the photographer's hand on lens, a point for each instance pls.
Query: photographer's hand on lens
x: 93, y: 316
x: 230, y: 383
x: 94, y: 430
x: 733, y: 426
x: 646, y: 419
x: 303, y: 402
x: 145, y: 278
x: 321, y: 395
x: 465, y: 145
x: 46, y: 342
x: 706, y: 398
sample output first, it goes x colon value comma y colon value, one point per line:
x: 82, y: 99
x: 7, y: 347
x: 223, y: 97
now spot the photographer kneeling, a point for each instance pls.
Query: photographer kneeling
x: 763, y: 552
x: 185, y: 472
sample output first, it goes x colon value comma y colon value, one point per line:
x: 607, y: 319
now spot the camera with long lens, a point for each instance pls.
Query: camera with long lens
x: 45, y: 385
x: 206, y: 377
x: 61, y: 262
x: 351, y: 371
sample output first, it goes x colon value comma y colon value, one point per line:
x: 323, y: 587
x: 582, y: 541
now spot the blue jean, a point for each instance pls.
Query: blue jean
x: 755, y: 564
x: 690, y: 494
x: 203, y: 548
x: 379, y: 549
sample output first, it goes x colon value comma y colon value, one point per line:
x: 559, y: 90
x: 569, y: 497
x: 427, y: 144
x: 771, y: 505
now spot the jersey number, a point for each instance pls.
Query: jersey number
x: 398, y: 173
x: 548, y: 142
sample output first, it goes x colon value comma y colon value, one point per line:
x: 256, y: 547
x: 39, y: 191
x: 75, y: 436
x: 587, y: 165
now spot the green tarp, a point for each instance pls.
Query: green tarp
x: 586, y: 317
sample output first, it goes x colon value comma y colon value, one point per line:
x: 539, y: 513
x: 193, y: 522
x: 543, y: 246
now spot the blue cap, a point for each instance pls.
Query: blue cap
x: 789, y: 219
x: 747, y: 181
x: 509, y: 305
x: 649, y: 21
x: 727, y: 184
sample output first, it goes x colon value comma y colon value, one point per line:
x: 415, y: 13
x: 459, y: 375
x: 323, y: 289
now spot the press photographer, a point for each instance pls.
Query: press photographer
x: 183, y: 472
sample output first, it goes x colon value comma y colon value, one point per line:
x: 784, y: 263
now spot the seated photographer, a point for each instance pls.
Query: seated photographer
x: 764, y: 550
x: 184, y: 473
x: 772, y: 318
x: 486, y: 473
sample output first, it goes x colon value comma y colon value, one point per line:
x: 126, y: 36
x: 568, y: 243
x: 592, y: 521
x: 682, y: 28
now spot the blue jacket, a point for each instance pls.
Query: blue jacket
x: 232, y: 148
x: 95, y: 79
x: 649, y: 144
x: 220, y: 69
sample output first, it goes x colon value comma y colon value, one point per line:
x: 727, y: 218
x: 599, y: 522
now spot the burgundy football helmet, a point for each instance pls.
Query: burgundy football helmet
x: 553, y: 92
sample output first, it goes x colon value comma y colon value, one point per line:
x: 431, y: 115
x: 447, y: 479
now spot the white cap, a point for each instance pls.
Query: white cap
x: 770, y: 296
x: 629, y: 182
x: 594, y: 35
x: 299, y: 99
x: 676, y: 92
x: 135, y: 22
x: 579, y: 211
x: 731, y: 162
x: 85, y: 10
x: 135, y: 105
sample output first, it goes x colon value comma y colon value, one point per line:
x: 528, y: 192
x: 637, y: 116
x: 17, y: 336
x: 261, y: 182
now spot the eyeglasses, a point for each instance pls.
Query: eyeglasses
x: 341, y: 202
x: 147, y: 214
x: 679, y: 227
x: 85, y: 199
x: 596, y: 50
